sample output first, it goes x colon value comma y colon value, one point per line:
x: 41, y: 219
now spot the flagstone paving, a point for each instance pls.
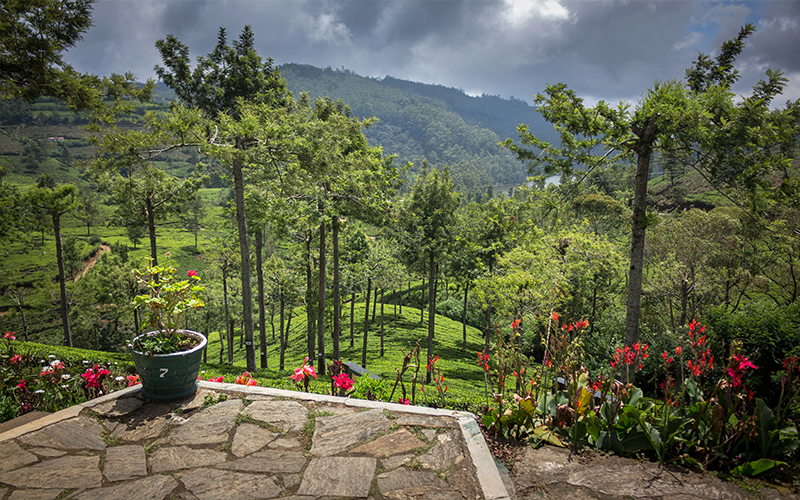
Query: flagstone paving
x: 249, y: 443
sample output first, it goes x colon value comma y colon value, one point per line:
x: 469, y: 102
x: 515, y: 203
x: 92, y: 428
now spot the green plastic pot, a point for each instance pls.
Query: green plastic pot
x: 170, y: 376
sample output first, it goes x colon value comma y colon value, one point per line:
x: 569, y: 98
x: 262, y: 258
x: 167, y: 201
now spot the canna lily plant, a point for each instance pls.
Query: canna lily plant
x: 167, y: 301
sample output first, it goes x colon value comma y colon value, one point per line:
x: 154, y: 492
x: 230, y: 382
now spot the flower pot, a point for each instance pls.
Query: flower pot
x: 170, y: 376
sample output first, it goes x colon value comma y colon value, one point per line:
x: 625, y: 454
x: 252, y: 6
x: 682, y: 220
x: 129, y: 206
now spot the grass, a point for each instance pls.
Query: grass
x: 462, y: 375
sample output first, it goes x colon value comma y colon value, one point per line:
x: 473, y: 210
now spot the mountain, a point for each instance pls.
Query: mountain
x: 419, y: 122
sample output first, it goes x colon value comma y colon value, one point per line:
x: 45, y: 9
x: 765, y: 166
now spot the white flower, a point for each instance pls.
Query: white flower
x: 66, y: 376
x: 65, y: 387
x: 85, y: 362
x: 99, y: 393
x: 51, y: 356
x: 39, y: 391
x: 42, y: 361
x: 119, y: 379
x: 55, y: 362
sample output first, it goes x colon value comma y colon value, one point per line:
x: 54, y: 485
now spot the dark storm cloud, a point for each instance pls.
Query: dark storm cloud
x: 605, y: 49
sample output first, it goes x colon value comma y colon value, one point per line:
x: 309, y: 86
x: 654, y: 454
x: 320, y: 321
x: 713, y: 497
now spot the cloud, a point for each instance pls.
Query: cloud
x: 610, y: 49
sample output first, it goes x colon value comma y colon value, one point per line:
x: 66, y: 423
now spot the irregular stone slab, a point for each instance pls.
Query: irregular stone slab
x: 74, y: 434
x: 285, y: 443
x: 401, y: 441
x: 463, y: 479
x: 183, y: 457
x: 430, y: 434
x: 209, y: 426
x: 147, y: 423
x: 48, y: 452
x: 446, y: 453
x: 549, y: 469
x: 250, y: 438
x: 403, y: 479
x: 425, y: 493
x: 395, y: 461
x: 155, y: 487
x: 65, y: 472
x: 118, y: 407
x: 35, y: 494
x: 125, y: 462
x: 334, y: 409
x: 12, y: 456
x: 349, y: 477
x: 271, y: 462
x: 214, y: 484
x: 425, y: 420
x: 335, y: 434
x: 291, y: 480
x: 284, y: 415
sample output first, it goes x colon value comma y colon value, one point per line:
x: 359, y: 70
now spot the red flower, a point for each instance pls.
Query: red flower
x: 343, y: 381
x: 94, y: 376
x: 515, y: 324
x: 15, y: 359
x: 218, y: 379
x: 404, y: 401
x: 22, y: 385
x: 133, y: 380
x: 191, y: 274
x: 246, y: 379
x: 10, y: 335
x: 483, y: 361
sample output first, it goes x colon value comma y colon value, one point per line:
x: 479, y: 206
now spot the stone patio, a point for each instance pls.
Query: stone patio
x: 236, y: 442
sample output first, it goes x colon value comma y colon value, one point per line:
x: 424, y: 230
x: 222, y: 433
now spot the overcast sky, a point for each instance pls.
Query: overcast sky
x: 604, y: 49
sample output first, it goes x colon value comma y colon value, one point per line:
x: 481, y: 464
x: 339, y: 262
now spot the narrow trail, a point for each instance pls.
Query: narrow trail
x: 89, y: 263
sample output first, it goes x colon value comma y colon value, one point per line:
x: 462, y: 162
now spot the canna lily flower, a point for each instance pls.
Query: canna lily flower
x: 218, y: 379
x: 191, y: 274
x: 343, y: 382
x: 515, y: 324
x: 133, y: 380
x: 246, y: 379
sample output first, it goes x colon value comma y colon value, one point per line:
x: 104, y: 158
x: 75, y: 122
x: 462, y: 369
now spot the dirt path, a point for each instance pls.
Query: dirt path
x: 89, y: 263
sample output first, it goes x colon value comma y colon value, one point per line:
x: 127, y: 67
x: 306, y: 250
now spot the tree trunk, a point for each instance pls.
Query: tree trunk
x: 272, y: 318
x: 337, y: 298
x: 352, y: 316
x: 382, y: 290
x: 62, y: 281
x: 644, y: 150
x: 321, y: 301
x: 400, y: 289
x: 151, y: 230
x: 262, y: 313
x: 310, y: 326
x: 431, y: 311
x: 422, y: 303
x: 464, y: 318
x: 283, y: 332
x: 366, y: 324
x: 228, y: 332
x: 244, y: 250
x: 374, y: 305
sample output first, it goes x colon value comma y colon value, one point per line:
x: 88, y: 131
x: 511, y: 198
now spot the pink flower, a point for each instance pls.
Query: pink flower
x: 404, y: 401
x: 22, y: 385
x: 133, y: 380
x: 218, y: 379
x: 303, y: 372
x: 10, y: 335
x: 343, y: 382
x: 191, y: 274
x: 15, y: 359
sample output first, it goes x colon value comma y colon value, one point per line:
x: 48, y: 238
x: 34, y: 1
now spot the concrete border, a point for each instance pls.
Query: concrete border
x: 487, y: 472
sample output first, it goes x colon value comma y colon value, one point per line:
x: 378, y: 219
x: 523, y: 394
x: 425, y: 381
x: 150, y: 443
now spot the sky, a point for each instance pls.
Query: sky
x: 603, y: 49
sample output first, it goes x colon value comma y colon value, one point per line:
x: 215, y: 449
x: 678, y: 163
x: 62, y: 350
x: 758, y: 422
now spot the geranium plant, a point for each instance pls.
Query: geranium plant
x: 167, y: 301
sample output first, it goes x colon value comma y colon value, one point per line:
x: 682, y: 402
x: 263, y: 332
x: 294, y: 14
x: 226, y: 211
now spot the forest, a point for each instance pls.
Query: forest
x: 302, y: 227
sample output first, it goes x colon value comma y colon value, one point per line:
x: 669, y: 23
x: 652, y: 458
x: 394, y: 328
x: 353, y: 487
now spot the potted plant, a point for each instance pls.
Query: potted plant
x: 168, y: 358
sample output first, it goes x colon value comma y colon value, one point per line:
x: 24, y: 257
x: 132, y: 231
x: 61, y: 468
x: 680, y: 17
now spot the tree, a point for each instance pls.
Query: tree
x: 88, y: 212
x: 425, y: 231
x: 216, y: 86
x: 56, y: 202
x: 695, y: 120
x: 34, y: 36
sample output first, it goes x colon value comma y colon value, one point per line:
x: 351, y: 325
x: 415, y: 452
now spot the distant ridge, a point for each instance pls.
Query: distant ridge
x: 420, y: 122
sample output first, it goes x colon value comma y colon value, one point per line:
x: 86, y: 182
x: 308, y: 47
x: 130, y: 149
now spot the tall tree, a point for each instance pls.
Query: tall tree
x: 56, y: 202
x: 425, y: 230
x: 215, y: 86
x: 696, y: 120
